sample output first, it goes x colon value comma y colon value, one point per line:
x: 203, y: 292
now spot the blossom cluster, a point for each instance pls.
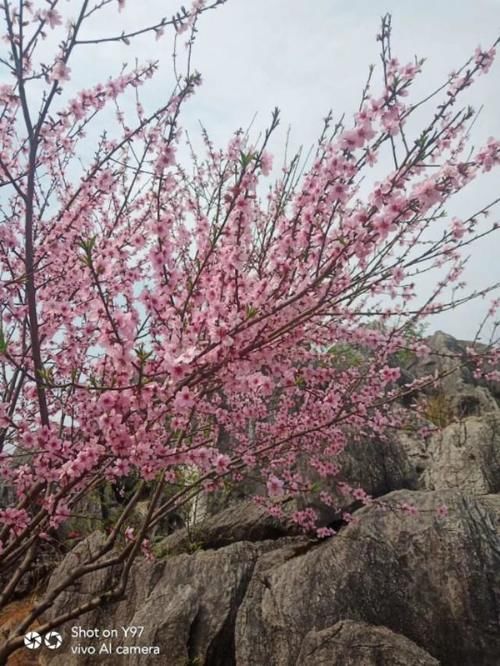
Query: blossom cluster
x: 165, y: 323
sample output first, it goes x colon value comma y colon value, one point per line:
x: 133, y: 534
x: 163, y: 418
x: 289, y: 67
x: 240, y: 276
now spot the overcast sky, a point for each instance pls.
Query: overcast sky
x: 307, y: 56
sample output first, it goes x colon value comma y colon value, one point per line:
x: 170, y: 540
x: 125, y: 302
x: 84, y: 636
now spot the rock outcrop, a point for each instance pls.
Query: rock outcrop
x: 432, y: 580
x: 448, y: 356
x: 243, y: 521
x: 350, y: 643
x: 187, y: 605
x: 447, y: 353
x: 413, y: 580
x: 466, y: 455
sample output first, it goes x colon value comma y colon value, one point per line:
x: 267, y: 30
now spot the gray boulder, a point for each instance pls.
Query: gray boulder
x: 186, y: 604
x: 243, y: 521
x: 376, y: 465
x: 436, y: 580
x: 350, y: 643
x: 472, y: 401
x: 466, y: 455
x: 446, y: 355
x: 449, y: 356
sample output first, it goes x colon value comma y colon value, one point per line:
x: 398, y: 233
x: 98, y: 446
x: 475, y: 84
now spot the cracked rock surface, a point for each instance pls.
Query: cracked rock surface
x: 414, y: 580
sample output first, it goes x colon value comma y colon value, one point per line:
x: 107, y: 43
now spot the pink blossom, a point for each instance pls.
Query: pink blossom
x: 364, y: 132
x: 52, y: 17
x: 458, y: 229
x: 266, y: 163
x: 60, y: 72
x: 306, y: 519
x: 442, y: 511
x: 410, y: 509
x: 360, y: 494
x: 275, y: 486
x: 398, y: 274
x: 421, y: 350
x: 16, y: 519
x: 59, y: 515
x: 105, y: 180
x: 276, y: 511
x: 383, y: 225
x: 193, y: 317
x: 147, y: 550
x: 350, y: 140
x: 390, y: 374
x: 222, y: 463
x: 484, y: 59
x: 184, y: 399
x: 202, y: 457
x: 166, y: 158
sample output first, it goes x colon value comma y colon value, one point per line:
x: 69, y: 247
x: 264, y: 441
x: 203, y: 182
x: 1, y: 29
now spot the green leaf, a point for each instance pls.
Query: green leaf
x: 246, y: 158
x: 251, y: 311
x: 300, y: 381
x: 142, y: 354
x: 3, y: 343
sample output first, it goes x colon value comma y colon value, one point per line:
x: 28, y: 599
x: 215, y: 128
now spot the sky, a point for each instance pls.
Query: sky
x: 309, y: 56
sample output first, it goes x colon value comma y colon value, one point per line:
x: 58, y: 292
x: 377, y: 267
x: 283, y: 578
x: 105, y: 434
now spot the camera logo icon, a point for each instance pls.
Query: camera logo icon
x: 32, y: 640
x: 53, y: 640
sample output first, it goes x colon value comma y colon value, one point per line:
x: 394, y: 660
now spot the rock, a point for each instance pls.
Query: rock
x: 350, y: 643
x: 375, y: 465
x: 174, y: 614
x: 243, y: 521
x: 171, y: 523
x: 46, y: 557
x: 446, y: 354
x: 86, y: 587
x: 415, y: 448
x: 472, y: 401
x: 492, y: 504
x: 7, y: 495
x: 466, y: 455
x: 248, y: 652
x: 379, y: 466
x: 434, y: 580
x: 449, y: 355
x: 187, y: 605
